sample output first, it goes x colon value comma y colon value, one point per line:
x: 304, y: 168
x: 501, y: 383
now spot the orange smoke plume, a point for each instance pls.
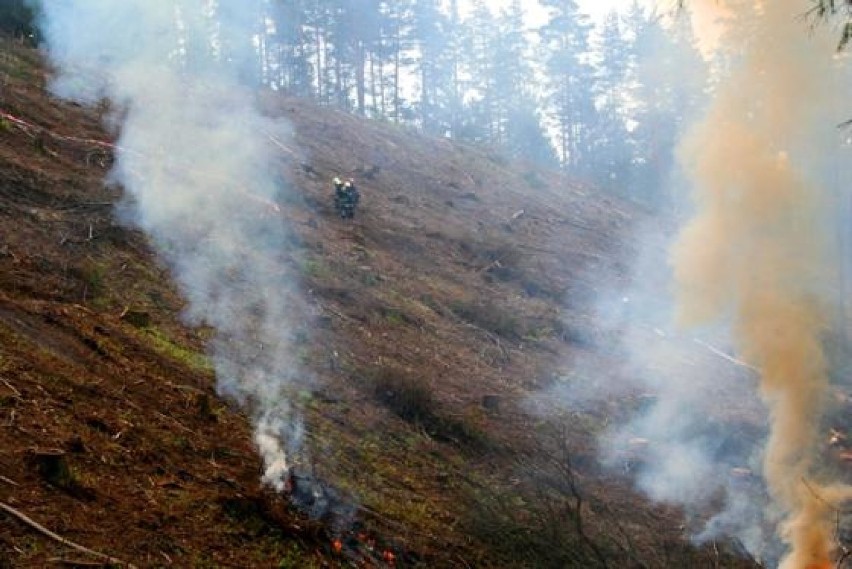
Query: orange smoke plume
x: 757, y: 252
x: 707, y: 20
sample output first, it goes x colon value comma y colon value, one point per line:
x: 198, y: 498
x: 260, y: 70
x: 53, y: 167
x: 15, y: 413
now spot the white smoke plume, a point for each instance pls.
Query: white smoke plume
x: 195, y: 160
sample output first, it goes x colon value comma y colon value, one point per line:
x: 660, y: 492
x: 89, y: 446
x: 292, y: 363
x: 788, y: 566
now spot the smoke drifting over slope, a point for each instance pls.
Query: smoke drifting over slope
x: 195, y: 164
x: 759, y: 251
x: 738, y: 355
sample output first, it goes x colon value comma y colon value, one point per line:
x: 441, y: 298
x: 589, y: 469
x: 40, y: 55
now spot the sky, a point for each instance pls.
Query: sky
x: 597, y: 9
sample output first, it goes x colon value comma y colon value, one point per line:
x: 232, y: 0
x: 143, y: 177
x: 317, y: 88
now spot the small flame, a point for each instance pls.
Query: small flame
x: 337, y: 546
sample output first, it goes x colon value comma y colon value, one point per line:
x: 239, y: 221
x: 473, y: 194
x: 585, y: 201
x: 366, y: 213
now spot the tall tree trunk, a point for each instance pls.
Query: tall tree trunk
x: 396, y: 66
x: 383, y: 109
x: 320, y: 71
x: 338, y: 83
x: 360, y: 86
x: 373, y: 82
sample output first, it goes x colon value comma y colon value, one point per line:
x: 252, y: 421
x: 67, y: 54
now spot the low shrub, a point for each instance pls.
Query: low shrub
x: 410, y: 399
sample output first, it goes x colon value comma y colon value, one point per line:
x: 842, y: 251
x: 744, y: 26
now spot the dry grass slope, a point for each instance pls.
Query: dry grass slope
x: 441, y: 307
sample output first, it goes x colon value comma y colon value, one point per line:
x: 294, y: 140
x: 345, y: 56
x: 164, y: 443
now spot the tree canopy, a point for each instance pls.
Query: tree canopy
x: 603, y: 101
x: 18, y: 18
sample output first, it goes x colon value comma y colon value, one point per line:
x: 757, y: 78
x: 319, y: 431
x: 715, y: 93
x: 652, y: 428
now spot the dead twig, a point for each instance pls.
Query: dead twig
x: 176, y: 422
x: 566, y: 469
x: 845, y: 551
x: 725, y: 356
x: 281, y: 145
x: 58, y: 538
x: 13, y: 415
x: 184, y: 387
x: 8, y: 481
x: 816, y: 495
x: 78, y: 562
x: 387, y: 520
x: 10, y: 386
x: 335, y: 312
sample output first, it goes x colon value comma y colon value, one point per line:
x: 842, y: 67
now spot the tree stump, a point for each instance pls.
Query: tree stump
x: 491, y: 403
x: 137, y: 318
x: 52, y: 466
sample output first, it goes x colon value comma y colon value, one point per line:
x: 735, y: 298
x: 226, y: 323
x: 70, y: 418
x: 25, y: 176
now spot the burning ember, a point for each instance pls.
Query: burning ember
x: 320, y: 501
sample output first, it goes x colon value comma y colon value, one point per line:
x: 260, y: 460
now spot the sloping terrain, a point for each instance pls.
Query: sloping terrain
x: 463, y: 285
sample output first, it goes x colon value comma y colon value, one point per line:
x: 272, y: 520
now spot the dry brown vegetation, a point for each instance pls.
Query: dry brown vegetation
x: 441, y: 309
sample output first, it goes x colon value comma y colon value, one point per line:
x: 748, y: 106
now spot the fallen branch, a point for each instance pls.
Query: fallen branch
x: 335, y: 312
x: 184, y: 387
x: 817, y: 496
x: 176, y: 422
x: 8, y: 481
x: 56, y: 537
x: 78, y: 562
x: 281, y: 145
x: 725, y: 356
x: 10, y: 386
x: 400, y: 525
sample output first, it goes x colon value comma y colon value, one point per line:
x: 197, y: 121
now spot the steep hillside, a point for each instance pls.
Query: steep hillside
x: 463, y: 285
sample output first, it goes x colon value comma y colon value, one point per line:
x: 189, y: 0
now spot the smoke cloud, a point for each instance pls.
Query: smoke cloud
x: 759, y: 252
x: 720, y: 337
x: 195, y: 161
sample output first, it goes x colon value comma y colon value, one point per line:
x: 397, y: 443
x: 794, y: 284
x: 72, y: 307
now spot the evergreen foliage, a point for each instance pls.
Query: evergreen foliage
x: 565, y: 39
x: 604, y: 102
x: 18, y: 18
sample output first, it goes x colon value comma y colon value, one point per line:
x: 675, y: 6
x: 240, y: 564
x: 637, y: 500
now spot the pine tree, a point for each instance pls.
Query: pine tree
x: 341, y: 52
x: 519, y: 127
x: 527, y: 139
x: 290, y: 53
x: 18, y: 18
x: 432, y: 39
x: 611, y: 158
x: 565, y: 38
x: 238, y: 50
x: 394, y: 32
x: 670, y: 77
x: 454, y: 96
x: 477, y: 62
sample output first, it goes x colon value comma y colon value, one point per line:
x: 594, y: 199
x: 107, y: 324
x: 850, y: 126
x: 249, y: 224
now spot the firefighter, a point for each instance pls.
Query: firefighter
x: 338, y: 193
x: 346, y: 197
x: 338, y: 187
x: 351, y: 192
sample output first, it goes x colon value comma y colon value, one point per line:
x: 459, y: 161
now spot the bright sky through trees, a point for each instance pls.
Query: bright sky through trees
x: 597, y: 9
x: 704, y: 15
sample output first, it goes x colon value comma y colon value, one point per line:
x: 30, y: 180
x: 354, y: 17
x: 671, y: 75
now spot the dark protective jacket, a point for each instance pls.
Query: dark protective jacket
x: 345, y: 199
